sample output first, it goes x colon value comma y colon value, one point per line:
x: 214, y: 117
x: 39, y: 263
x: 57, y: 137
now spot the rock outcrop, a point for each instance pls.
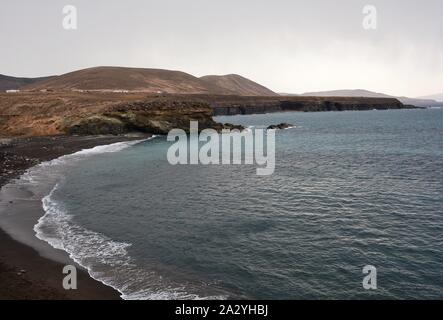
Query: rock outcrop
x: 56, y: 113
x: 156, y: 117
x: 280, y: 126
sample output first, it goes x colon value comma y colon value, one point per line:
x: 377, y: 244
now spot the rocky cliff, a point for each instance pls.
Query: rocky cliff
x: 55, y: 113
x: 303, y: 104
x: 42, y: 114
x: 156, y: 117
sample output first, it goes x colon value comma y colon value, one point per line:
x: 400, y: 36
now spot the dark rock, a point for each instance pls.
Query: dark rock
x: 231, y: 126
x: 96, y: 125
x: 280, y: 126
x: 155, y: 117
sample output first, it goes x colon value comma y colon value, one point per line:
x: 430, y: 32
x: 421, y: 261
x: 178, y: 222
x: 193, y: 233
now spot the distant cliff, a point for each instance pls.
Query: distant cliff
x: 252, y: 105
x: 419, y: 102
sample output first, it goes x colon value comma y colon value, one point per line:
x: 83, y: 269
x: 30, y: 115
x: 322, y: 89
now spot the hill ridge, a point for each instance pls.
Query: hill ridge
x: 152, y: 80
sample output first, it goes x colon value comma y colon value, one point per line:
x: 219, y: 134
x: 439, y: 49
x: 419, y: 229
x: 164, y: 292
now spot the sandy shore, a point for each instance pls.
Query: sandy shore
x: 24, y: 272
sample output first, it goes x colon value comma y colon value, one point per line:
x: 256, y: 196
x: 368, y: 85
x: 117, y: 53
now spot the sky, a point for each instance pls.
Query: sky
x: 290, y: 46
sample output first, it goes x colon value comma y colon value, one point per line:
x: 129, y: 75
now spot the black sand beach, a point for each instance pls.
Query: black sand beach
x: 24, y: 273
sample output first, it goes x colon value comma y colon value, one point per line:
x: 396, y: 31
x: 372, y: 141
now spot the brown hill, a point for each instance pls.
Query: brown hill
x: 238, y: 85
x: 119, y: 78
x: 13, y: 83
x: 150, y: 80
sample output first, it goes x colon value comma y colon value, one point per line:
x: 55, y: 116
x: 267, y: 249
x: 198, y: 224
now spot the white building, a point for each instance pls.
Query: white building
x: 12, y: 91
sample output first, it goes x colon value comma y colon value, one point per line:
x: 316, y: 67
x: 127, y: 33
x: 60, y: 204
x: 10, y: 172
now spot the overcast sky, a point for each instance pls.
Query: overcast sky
x: 287, y: 45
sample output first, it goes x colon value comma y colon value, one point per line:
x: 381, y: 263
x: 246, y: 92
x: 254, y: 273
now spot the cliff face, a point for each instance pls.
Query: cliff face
x: 304, y: 104
x: 55, y: 113
x: 157, y: 117
x: 43, y: 114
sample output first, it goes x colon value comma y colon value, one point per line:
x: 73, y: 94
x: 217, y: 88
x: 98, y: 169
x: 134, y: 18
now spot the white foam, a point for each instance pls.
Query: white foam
x: 105, y: 260
x: 49, y: 172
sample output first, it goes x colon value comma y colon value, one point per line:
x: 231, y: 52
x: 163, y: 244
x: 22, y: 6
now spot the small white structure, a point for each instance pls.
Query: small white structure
x: 12, y: 91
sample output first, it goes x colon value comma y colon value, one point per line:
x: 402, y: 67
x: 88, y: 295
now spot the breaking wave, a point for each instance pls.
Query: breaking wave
x: 105, y: 260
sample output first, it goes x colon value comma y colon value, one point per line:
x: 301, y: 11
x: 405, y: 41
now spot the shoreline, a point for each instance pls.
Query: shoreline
x: 24, y: 272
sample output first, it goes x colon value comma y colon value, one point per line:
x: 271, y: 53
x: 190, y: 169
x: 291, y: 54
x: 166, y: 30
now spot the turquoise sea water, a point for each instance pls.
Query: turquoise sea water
x: 350, y: 189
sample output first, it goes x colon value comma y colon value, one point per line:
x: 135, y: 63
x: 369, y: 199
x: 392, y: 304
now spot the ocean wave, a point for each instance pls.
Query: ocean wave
x: 105, y: 260
x: 40, y: 174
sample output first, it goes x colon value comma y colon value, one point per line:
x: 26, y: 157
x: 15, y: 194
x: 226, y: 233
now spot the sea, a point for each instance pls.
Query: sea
x: 350, y: 189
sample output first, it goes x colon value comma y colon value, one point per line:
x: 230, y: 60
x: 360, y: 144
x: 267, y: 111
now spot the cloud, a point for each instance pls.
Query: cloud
x: 289, y: 46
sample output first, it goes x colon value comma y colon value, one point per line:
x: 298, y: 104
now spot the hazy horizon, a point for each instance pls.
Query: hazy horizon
x: 287, y: 46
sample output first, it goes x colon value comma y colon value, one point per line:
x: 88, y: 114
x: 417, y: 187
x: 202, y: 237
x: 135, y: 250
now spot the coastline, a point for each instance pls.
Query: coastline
x: 24, y: 272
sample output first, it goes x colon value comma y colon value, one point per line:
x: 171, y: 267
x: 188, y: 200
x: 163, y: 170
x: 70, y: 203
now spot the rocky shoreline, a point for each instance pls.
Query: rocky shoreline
x: 154, y: 117
x: 93, y: 113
